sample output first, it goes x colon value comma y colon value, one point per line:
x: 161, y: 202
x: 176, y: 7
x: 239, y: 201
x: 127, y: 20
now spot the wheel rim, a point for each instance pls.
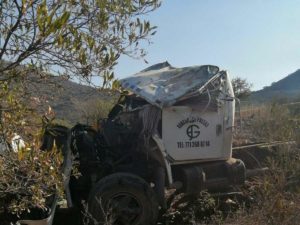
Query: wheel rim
x: 123, y: 209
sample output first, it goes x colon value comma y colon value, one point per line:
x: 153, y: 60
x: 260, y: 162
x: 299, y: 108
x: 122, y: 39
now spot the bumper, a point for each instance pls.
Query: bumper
x: 212, y: 176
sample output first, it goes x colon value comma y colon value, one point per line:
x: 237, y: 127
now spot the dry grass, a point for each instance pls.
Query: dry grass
x: 277, y: 194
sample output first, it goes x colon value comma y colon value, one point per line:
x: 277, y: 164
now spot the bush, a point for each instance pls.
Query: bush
x: 28, y: 179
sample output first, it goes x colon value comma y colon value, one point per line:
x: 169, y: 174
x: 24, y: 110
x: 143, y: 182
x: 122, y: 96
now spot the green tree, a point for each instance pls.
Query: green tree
x: 241, y: 87
x: 72, y: 37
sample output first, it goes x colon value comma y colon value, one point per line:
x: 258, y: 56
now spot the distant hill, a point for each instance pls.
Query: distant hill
x: 69, y: 100
x: 286, y: 88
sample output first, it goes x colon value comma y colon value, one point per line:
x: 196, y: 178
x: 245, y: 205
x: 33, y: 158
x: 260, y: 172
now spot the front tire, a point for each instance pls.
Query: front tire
x: 122, y: 199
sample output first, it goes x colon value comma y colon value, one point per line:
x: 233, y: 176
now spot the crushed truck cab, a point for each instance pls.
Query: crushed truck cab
x: 172, y: 128
x: 196, y: 120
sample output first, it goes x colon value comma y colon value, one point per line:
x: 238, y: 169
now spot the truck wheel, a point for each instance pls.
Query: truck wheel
x: 122, y: 199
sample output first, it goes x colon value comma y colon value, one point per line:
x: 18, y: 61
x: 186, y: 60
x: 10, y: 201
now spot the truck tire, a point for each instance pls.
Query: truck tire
x: 122, y: 199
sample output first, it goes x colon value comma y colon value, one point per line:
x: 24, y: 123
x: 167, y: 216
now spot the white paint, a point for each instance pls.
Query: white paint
x: 17, y: 143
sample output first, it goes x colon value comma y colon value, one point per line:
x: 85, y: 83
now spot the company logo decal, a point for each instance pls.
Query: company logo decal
x: 193, y: 132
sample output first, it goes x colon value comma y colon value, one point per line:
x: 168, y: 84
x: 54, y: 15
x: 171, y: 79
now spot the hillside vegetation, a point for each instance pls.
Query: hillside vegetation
x: 70, y: 101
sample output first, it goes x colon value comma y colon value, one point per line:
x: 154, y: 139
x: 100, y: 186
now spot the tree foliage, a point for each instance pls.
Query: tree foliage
x: 73, y: 37
x: 241, y: 87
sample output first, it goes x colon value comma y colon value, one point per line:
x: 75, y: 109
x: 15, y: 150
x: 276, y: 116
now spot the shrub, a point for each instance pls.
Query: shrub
x: 28, y: 179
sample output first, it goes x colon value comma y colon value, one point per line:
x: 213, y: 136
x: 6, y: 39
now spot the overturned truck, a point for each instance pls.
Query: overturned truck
x: 171, y: 130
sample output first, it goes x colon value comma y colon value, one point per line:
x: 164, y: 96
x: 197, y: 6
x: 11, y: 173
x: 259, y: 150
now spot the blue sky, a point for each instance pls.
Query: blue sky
x: 255, y: 39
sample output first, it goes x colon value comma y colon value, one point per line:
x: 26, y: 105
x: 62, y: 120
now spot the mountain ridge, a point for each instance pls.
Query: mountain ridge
x: 286, y: 88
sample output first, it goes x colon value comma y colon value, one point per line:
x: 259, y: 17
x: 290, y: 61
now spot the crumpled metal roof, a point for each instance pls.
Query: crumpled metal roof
x: 163, y: 85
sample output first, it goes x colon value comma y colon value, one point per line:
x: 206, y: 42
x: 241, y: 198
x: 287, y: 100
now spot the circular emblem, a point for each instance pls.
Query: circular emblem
x: 193, y: 131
